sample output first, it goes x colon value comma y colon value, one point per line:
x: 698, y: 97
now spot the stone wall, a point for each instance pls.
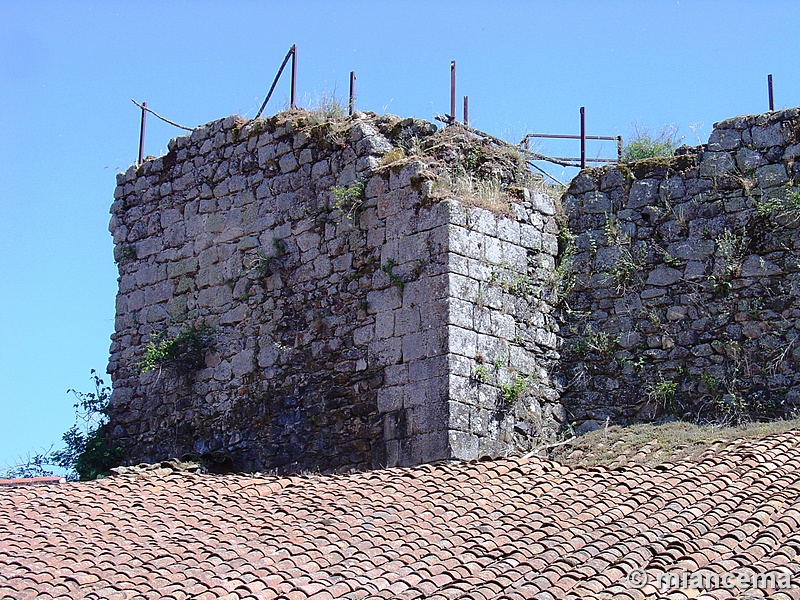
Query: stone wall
x: 686, y: 281
x: 315, y: 294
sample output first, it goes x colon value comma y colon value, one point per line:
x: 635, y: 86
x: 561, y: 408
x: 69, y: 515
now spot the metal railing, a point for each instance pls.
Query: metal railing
x: 292, y: 53
x: 448, y: 119
x: 582, y: 160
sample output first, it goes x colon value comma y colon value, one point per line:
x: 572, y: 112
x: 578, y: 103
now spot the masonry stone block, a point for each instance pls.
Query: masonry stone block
x: 429, y: 447
x: 462, y: 341
x: 771, y: 176
x: 367, y: 317
x: 644, y: 192
x: 390, y: 399
x: 768, y: 136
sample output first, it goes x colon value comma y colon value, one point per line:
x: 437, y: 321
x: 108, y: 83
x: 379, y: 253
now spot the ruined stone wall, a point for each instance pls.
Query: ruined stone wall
x: 686, y: 281
x: 308, y: 296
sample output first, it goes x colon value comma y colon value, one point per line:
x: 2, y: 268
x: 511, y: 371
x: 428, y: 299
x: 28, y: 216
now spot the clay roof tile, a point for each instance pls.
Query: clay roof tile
x: 519, y: 528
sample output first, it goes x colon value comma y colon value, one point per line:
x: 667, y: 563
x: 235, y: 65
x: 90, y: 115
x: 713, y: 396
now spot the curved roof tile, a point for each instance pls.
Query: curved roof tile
x: 514, y: 528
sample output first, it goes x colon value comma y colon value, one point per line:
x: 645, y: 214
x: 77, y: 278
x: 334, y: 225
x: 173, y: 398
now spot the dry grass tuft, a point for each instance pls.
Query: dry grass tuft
x: 474, y: 191
x: 392, y: 156
x: 651, y: 444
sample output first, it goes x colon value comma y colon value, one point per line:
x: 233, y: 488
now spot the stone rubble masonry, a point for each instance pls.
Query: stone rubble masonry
x: 405, y: 328
x: 686, y: 294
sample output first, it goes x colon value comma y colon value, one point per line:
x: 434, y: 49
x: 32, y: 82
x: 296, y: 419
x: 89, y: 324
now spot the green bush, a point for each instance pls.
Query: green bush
x: 183, y: 353
x: 511, y: 390
x: 787, y: 202
x: 348, y: 199
x: 87, y: 453
x: 644, y: 145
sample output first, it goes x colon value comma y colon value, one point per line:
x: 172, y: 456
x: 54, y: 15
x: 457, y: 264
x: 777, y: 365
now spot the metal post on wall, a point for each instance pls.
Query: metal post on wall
x: 141, y: 133
x: 294, y: 76
x: 292, y: 53
x: 452, y: 91
x: 351, y: 103
x: 771, y: 95
x: 466, y: 111
x: 583, y: 137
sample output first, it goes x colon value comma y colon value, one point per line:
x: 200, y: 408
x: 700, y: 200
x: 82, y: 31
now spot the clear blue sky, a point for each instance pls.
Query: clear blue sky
x: 70, y: 69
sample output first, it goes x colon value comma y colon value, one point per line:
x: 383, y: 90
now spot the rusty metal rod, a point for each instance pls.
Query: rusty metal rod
x: 275, y: 81
x: 529, y: 155
x: 559, y: 136
x: 771, y: 95
x: 466, y: 111
x: 452, y: 91
x: 577, y: 160
x: 294, y: 77
x: 158, y: 116
x: 352, y: 102
x: 545, y: 173
x: 583, y: 137
x: 141, y: 133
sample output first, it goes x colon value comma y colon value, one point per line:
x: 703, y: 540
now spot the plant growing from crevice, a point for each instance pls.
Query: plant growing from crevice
x: 710, y: 382
x: 719, y: 285
x: 679, y: 214
x: 260, y: 264
x: 668, y: 259
x: 126, y: 252
x: 613, y: 231
x: 730, y: 247
x: 511, y: 390
x: 349, y: 199
x: 481, y: 374
x: 662, y: 392
x: 784, y: 204
x: 279, y: 246
x: 263, y: 265
x: 183, y: 354
x: 600, y: 342
x: 395, y: 279
x: 623, y: 273
x: 645, y: 145
x: 732, y: 407
x: 518, y: 284
x: 562, y: 279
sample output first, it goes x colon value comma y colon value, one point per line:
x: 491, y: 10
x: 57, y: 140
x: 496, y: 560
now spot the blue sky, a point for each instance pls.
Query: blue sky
x: 70, y: 69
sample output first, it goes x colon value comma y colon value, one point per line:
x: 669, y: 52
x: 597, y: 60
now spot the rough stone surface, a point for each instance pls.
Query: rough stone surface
x: 407, y: 324
x: 686, y: 289
x: 392, y: 327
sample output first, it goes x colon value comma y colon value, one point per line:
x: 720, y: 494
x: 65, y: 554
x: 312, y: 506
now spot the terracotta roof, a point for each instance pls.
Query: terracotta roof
x: 32, y: 480
x: 509, y: 528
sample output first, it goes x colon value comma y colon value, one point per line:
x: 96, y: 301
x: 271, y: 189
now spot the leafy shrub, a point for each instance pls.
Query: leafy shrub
x: 183, y: 354
x: 785, y: 203
x: 348, y: 199
x: 32, y: 465
x: 644, y: 145
x: 87, y: 453
x: 510, y: 390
